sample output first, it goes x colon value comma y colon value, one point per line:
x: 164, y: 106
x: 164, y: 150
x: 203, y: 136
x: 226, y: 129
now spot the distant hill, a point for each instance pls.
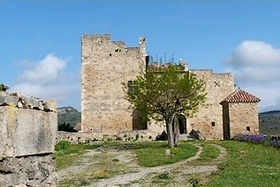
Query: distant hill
x: 68, y: 117
x: 270, y: 122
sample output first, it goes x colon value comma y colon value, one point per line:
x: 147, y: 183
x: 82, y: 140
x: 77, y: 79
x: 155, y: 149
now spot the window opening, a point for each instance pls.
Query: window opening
x: 132, y: 88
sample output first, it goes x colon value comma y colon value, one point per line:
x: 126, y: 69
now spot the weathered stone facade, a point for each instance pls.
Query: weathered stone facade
x: 28, y: 130
x: 208, y: 121
x: 106, y: 65
x: 240, y: 114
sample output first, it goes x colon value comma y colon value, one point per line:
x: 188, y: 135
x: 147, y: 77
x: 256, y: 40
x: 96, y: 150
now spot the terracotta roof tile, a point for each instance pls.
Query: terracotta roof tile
x: 240, y: 96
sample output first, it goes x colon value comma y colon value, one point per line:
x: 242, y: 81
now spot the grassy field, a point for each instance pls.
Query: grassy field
x: 154, y: 154
x: 149, y: 154
x: 248, y: 165
x: 245, y: 165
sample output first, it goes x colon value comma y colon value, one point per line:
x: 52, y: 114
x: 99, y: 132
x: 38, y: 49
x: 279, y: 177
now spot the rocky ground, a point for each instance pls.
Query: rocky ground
x: 184, y: 173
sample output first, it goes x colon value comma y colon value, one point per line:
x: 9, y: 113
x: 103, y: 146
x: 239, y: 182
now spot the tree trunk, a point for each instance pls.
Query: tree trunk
x: 176, y: 131
x: 169, y: 130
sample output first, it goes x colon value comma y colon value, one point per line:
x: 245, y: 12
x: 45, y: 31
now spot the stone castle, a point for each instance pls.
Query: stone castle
x: 107, y: 64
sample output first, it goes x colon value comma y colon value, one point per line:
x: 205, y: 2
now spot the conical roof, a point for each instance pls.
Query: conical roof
x: 240, y: 96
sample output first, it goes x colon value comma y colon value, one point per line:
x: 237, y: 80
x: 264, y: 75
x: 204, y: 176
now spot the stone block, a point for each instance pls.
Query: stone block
x: 8, y: 100
x: 26, y: 132
x: 50, y: 105
x: 33, y: 102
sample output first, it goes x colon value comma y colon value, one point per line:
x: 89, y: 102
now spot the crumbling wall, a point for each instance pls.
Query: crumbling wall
x: 28, y: 130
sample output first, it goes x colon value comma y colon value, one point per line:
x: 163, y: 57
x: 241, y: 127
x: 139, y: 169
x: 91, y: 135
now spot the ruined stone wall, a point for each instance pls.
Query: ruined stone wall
x: 106, y: 64
x: 209, y: 119
x: 243, y: 118
x: 28, y: 130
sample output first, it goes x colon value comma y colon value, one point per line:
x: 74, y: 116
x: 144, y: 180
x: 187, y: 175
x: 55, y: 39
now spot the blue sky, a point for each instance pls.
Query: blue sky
x: 40, y: 41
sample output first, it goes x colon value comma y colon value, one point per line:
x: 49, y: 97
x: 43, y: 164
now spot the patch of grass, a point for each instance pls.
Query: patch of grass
x: 154, y: 154
x: 210, y: 152
x: 62, y: 145
x: 84, y: 183
x: 67, y: 155
x: 101, y: 174
x: 248, y: 165
x: 163, y: 179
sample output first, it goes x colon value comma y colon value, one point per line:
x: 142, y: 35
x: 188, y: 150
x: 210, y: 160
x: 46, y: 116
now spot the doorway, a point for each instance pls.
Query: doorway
x: 182, y: 124
x: 138, y: 122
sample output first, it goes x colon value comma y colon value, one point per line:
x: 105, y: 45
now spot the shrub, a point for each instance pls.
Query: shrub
x: 164, y: 175
x: 194, y: 182
x: 275, y: 141
x: 62, y: 145
x: 101, y: 174
x: 84, y: 183
x: 259, y: 139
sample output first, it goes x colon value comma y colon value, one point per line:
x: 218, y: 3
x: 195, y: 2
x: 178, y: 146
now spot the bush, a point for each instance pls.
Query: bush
x: 164, y: 175
x: 194, y: 182
x: 275, y: 141
x: 62, y: 145
x: 259, y: 139
x: 84, y: 183
x: 101, y: 174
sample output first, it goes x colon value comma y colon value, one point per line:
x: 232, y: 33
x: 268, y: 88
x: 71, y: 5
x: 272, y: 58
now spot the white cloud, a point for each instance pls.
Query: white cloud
x: 44, y: 72
x: 269, y: 95
x: 256, y: 68
x: 48, y: 79
x: 252, y: 52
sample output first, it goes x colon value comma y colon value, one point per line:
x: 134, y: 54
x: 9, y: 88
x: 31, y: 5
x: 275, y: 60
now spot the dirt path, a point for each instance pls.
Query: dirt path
x: 142, y: 176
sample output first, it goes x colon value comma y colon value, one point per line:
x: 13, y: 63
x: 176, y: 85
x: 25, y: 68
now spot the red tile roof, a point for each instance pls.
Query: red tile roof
x: 240, y: 96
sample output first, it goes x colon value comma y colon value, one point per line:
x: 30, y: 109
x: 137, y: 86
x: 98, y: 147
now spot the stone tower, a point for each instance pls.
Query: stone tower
x: 106, y: 66
x: 240, y: 114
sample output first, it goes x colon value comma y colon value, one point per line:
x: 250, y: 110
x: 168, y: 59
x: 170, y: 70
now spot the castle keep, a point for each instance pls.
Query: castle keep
x: 107, y: 65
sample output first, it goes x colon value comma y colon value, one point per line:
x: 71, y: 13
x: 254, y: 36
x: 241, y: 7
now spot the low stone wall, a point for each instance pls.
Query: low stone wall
x: 86, y: 137
x: 28, y: 130
x: 79, y: 137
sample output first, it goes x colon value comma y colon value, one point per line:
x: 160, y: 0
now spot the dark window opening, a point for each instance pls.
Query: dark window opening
x: 147, y: 59
x: 110, y: 54
x: 248, y: 128
x: 118, y: 50
x: 213, y: 124
x: 132, y: 88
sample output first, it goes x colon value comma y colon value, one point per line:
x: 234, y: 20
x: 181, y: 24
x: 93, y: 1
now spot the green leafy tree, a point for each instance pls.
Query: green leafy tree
x: 164, y: 94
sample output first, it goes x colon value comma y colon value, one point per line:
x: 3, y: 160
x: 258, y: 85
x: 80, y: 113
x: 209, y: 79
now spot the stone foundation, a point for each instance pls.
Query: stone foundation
x: 32, y: 170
